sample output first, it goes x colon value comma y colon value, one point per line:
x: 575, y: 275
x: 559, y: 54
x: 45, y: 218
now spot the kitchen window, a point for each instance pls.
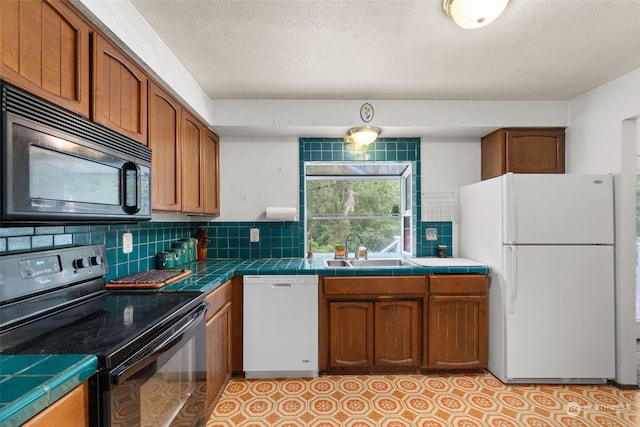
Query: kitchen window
x: 372, y: 199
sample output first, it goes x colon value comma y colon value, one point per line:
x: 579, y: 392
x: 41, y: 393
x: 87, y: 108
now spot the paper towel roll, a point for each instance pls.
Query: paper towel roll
x: 281, y: 214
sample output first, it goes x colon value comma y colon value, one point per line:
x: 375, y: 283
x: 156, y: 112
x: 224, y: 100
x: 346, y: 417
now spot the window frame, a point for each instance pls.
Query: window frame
x: 407, y: 200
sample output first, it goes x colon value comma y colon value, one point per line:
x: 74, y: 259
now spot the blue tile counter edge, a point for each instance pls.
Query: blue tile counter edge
x: 31, y: 383
x: 210, y: 274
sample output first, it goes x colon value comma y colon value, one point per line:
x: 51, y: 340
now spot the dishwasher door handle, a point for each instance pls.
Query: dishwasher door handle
x: 280, y: 285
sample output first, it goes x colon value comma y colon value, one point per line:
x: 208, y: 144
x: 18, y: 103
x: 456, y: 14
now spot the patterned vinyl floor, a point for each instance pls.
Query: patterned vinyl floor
x: 470, y: 400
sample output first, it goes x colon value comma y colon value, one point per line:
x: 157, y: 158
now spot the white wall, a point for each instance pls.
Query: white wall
x: 602, y: 138
x: 447, y: 166
x: 256, y: 173
x: 121, y: 19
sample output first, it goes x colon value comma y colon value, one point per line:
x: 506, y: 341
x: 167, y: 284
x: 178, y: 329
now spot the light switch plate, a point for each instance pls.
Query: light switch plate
x: 254, y: 235
x: 127, y: 243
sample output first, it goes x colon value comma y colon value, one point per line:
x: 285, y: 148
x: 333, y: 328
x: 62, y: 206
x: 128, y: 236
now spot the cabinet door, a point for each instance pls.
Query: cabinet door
x: 164, y: 140
x: 535, y: 151
x: 211, y: 171
x: 218, y: 353
x: 192, y: 174
x: 350, y: 334
x: 44, y: 48
x: 219, y: 338
x: 522, y: 150
x: 397, y: 333
x: 457, y: 332
x: 71, y: 410
x: 119, y: 91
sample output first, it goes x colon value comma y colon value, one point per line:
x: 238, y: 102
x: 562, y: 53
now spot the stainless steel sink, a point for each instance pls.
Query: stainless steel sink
x: 381, y: 262
x: 360, y: 263
x: 336, y: 263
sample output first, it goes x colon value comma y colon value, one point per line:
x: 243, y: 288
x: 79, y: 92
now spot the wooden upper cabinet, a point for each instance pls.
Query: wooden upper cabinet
x: 211, y: 170
x: 523, y: 150
x: 44, y: 47
x: 192, y: 174
x: 200, y: 167
x: 164, y: 141
x: 119, y: 91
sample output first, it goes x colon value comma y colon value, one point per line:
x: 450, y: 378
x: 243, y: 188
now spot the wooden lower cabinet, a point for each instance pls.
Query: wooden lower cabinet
x: 458, y: 322
x: 397, y: 333
x: 384, y: 324
x: 218, y: 343
x: 71, y: 410
x: 371, y: 324
x: 351, y: 334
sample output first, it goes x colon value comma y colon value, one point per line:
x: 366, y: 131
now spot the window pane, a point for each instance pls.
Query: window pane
x: 368, y: 197
x: 378, y: 235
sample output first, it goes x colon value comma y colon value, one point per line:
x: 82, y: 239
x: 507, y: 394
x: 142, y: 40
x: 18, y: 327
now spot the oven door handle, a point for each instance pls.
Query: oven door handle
x: 139, y: 360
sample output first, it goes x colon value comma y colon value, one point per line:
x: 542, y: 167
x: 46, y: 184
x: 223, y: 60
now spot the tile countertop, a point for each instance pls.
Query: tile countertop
x: 208, y: 275
x: 31, y: 383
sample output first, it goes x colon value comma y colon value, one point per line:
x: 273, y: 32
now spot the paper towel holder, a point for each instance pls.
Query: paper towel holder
x: 281, y: 214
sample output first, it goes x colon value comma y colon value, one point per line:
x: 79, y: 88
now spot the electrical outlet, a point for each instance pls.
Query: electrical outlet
x: 254, y: 235
x: 127, y: 243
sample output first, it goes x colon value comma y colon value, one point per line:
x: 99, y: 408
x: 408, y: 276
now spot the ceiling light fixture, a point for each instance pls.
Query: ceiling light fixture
x: 362, y: 135
x: 471, y: 14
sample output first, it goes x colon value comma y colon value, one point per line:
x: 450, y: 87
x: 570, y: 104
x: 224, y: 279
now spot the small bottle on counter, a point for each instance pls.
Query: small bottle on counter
x: 442, y: 251
x: 363, y: 253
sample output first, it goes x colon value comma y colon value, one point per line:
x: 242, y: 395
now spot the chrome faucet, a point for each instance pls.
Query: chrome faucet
x: 346, y: 245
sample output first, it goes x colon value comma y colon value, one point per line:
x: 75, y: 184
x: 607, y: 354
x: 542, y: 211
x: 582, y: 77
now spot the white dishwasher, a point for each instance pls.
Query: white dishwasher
x: 280, y: 331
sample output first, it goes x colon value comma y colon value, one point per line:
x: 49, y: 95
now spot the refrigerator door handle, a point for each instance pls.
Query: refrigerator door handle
x: 512, y: 210
x: 512, y: 279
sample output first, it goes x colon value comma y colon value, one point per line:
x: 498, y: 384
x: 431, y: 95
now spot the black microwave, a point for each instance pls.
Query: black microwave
x: 61, y: 168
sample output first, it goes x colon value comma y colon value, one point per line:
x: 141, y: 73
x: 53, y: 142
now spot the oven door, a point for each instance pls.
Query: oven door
x: 162, y: 384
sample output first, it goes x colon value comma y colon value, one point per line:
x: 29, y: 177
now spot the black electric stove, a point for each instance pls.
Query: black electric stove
x: 55, y: 302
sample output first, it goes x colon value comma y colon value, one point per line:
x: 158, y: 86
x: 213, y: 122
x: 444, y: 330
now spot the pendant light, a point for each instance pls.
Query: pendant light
x: 471, y: 14
x: 362, y: 135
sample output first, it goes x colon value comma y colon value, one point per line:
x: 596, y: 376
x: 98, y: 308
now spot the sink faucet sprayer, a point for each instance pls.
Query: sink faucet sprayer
x: 346, y: 245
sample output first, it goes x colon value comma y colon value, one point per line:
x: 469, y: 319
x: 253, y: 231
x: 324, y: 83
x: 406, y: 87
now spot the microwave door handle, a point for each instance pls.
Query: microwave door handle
x: 128, y: 169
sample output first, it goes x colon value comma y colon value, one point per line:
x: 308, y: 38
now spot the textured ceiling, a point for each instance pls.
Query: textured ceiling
x: 397, y: 49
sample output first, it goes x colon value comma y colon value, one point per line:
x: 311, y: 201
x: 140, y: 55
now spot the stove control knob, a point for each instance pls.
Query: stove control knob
x: 96, y: 260
x: 81, y: 263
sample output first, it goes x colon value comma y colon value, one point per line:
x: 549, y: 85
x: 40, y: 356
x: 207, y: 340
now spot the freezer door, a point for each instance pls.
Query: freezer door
x: 559, y: 312
x: 557, y: 209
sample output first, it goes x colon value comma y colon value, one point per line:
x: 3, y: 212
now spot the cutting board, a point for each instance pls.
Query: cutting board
x: 148, y: 279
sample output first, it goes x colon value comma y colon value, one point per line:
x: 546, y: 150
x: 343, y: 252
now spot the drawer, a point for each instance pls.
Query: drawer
x: 376, y: 286
x: 218, y: 298
x: 463, y: 284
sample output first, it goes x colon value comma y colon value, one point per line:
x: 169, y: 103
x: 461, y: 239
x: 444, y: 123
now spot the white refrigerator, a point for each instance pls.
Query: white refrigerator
x: 548, y: 239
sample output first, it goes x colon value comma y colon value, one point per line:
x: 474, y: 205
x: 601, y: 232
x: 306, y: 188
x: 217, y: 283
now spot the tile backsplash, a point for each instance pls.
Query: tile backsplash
x: 228, y: 239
